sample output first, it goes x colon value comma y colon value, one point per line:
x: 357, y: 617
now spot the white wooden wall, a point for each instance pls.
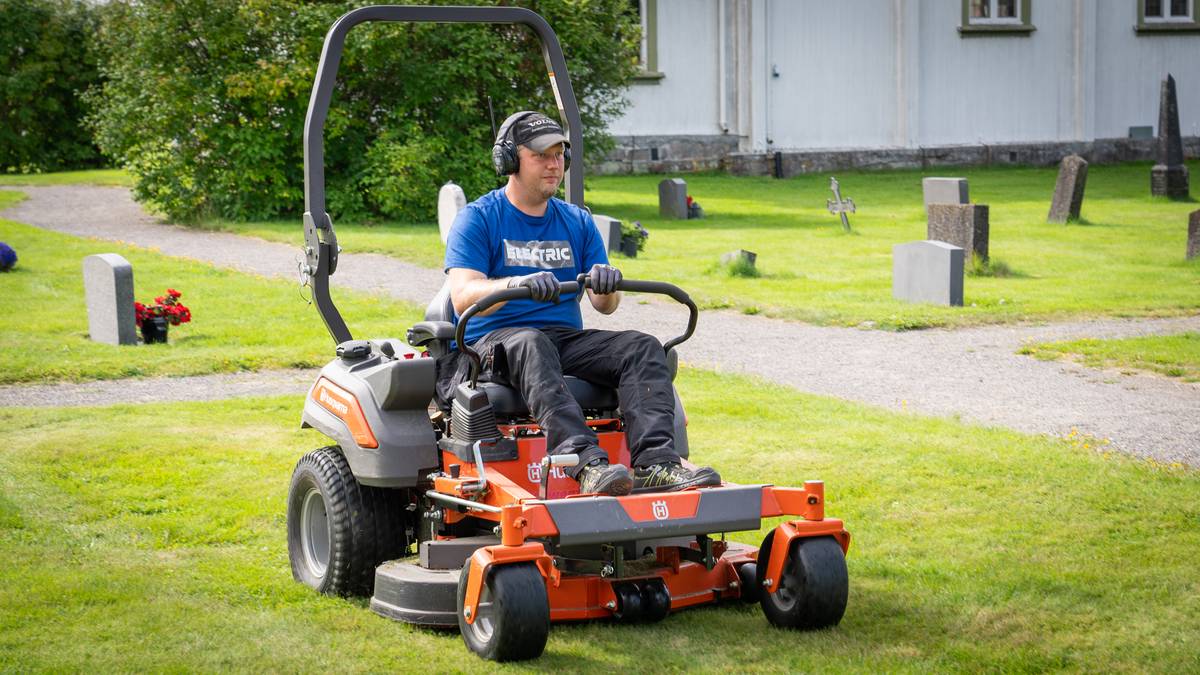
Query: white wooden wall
x: 897, y: 73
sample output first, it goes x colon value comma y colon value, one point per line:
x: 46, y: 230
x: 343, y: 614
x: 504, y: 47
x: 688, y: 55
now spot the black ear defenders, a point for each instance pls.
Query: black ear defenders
x: 504, y: 151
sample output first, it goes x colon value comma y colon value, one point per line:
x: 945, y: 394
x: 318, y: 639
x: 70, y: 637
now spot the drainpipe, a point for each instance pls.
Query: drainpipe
x: 723, y: 120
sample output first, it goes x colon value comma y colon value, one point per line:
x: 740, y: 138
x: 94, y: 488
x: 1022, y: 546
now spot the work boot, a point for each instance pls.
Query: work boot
x: 600, y: 477
x: 671, y: 477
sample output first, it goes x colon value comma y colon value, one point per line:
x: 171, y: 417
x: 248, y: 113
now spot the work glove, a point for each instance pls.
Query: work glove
x: 543, y: 286
x: 604, y: 279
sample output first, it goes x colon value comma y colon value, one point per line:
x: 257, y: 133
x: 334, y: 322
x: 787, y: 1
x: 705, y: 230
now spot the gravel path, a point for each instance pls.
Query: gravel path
x: 974, y: 373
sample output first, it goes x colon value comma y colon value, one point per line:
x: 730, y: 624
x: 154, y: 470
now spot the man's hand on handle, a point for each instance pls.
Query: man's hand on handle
x: 543, y: 285
x: 604, y: 279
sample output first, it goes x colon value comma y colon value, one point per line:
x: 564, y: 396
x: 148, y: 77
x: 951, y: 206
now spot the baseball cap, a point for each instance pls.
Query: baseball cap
x: 538, y: 132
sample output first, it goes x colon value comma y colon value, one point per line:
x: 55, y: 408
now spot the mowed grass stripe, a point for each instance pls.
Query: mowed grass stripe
x: 153, y: 538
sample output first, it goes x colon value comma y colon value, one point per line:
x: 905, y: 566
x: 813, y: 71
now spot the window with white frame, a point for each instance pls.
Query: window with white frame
x: 1164, y: 11
x: 996, y: 17
x: 1167, y: 16
x: 994, y: 12
x: 647, y: 13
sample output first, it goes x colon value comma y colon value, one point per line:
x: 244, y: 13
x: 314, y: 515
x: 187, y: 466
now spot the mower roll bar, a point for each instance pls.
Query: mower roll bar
x: 659, y: 287
x: 320, y: 242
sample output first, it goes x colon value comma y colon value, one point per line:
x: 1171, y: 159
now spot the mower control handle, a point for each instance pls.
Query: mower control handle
x: 504, y: 295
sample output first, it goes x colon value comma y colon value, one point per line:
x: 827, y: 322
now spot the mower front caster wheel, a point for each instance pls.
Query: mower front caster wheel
x: 513, y: 618
x: 813, y: 587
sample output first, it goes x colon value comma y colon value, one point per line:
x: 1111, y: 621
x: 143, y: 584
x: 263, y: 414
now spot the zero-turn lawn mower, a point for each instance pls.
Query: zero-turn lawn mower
x: 459, y: 517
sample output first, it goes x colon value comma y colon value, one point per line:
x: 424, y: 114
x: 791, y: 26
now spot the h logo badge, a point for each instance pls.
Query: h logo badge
x: 660, y: 510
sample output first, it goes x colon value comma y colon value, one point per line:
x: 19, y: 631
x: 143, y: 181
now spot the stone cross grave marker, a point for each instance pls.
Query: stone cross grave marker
x: 610, y: 232
x: 963, y: 225
x: 108, y: 291
x: 1068, y: 190
x: 928, y: 271
x: 944, y: 191
x: 1169, y: 177
x: 1193, y: 245
x: 451, y: 200
x: 839, y: 206
x: 672, y: 198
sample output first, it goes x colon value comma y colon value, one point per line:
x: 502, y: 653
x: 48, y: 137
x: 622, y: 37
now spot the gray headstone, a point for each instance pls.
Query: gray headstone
x: 1068, y: 190
x: 672, y: 198
x: 451, y: 200
x: 963, y: 225
x: 1169, y: 177
x: 928, y: 271
x: 741, y: 254
x: 1193, y: 247
x: 1141, y: 133
x: 610, y: 232
x: 944, y: 191
x: 108, y: 290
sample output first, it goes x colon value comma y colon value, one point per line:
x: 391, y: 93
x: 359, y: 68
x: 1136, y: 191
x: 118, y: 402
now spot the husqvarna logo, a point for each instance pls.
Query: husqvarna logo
x: 331, y: 402
x: 534, y: 471
x: 660, y: 510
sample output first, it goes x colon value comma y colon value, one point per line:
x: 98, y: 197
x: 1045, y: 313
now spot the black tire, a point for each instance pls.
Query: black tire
x: 338, y: 530
x: 514, y: 613
x: 749, y: 582
x: 814, y: 586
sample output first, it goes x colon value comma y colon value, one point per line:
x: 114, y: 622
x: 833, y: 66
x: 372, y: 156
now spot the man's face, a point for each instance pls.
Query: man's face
x: 541, y: 173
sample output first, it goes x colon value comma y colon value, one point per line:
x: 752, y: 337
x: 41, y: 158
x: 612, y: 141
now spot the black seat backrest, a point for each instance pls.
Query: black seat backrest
x: 441, y: 308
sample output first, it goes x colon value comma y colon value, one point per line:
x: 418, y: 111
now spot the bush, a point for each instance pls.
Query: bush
x: 46, y: 62
x: 205, y: 100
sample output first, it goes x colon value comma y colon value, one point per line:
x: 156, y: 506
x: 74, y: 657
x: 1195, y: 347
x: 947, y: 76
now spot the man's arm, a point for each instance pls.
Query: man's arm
x: 468, y: 286
x: 605, y: 304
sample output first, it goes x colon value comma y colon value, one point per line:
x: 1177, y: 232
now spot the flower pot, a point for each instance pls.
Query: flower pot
x: 154, y: 329
x: 629, y: 246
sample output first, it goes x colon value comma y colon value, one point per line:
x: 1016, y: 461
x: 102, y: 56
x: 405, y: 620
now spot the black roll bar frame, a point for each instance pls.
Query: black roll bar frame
x: 320, y: 241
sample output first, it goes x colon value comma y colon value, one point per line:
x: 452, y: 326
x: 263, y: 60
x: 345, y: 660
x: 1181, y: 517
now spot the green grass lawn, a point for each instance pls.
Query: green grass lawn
x: 240, y: 321
x: 1125, y: 259
x: 89, y: 177
x: 1171, y: 355
x: 137, y: 538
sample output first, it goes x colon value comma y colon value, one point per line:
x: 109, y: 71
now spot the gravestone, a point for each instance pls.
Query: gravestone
x: 610, y: 232
x: 672, y: 198
x: 1141, y: 133
x: 839, y: 206
x: 944, y: 191
x: 451, y: 200
x: 1068, y: 190
x: 1169, y: 177
x: 1193, y: 246
x: 963, y: 225
x: 928, y: 271
x: 750, y: 257
x: 108, y: 291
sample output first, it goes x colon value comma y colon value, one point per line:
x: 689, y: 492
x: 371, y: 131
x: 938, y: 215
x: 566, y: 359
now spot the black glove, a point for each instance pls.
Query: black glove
x: 604, y: 279
x: 544, y: 286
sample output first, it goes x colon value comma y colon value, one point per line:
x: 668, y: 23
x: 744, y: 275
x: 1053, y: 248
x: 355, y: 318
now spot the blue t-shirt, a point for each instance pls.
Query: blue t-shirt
x: 492, y: 236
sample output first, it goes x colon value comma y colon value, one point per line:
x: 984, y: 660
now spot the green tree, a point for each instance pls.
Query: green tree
x: 46, y: 62
x: 204, y: 101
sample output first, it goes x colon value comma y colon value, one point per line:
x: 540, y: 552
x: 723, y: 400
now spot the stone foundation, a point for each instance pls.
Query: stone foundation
x: 675, y: 154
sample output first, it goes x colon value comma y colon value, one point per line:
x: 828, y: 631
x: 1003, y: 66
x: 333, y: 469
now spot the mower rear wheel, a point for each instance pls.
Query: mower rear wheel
x: 513, y: 618
x: 813, y: 586
x: 338, y: 530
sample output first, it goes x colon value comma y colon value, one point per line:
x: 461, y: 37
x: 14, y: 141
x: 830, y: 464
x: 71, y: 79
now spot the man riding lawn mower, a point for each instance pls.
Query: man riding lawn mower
x: 513, y: 487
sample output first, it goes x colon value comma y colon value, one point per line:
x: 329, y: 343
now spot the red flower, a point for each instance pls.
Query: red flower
x: 165, y: 306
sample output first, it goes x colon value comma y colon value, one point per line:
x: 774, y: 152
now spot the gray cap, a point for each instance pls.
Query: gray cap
x: 538, y: 132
